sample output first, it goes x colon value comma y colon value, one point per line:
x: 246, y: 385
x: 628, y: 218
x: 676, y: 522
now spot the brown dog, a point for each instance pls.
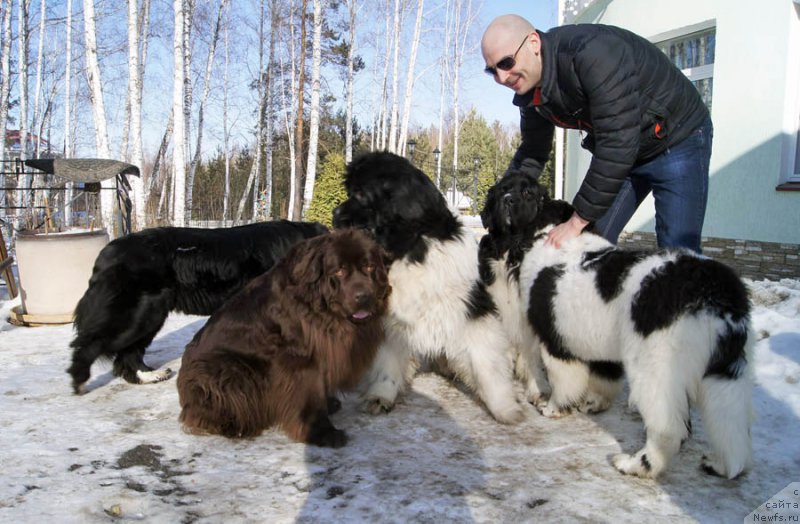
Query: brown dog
x: 278, y: 351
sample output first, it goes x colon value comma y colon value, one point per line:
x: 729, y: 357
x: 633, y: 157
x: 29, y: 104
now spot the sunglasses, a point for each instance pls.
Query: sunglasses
x: 505, y: 63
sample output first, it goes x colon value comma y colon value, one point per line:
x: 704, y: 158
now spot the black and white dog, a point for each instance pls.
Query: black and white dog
x: 139, y: 278
x: 678, y: 324
x: 439, y: 307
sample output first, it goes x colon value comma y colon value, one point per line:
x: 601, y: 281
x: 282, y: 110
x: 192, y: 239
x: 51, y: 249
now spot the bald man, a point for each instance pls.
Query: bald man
x: 643, y: 120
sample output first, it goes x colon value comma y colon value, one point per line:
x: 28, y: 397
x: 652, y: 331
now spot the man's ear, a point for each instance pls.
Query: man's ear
x: 536, y: 42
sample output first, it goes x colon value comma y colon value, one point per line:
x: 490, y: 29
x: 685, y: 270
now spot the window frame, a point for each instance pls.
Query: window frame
x: 696, y: 73
x: 790, y: 147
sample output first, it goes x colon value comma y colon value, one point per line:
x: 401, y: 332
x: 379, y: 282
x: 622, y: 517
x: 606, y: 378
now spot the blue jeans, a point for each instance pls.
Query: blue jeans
x: 678, y: 178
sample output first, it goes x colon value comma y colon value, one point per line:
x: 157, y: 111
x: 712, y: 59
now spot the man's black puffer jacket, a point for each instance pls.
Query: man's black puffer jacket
x: 632, y: 102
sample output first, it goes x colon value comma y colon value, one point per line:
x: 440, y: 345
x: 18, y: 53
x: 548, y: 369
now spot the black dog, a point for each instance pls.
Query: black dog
x: 139, y: 278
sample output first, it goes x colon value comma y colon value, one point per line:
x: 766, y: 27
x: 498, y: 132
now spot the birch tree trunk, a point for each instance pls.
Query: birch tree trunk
x: 351, y: 53
x: 22, y: 47
x: 226, y: 136
x: 134, y: 109
x: 98, y: 112
x: 201, y: 110
x: 288, y: 118
x: 179, y: 121
x: 37, y: 93
x: 143, y: 198
x: 274, y: 25
x: 313, y: 132
x: 68, y: 91
x: 252, y: 179
x: 410, y: 76
x: 186, y: 193
x: 262, y: 111
x: 383, y: 128
x: 68, y: 114
x: 462, y: 22
x: 5, y: 90
x: 297, y: 196
x: 156, y: 178
x: 443, y: 61
x: 395, y: 64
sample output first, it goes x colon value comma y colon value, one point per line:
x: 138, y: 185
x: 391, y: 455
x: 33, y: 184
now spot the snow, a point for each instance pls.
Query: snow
x: 117, y: 453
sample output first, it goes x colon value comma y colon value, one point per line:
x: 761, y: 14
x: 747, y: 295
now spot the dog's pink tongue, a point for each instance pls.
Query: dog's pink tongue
x: 361, y: 315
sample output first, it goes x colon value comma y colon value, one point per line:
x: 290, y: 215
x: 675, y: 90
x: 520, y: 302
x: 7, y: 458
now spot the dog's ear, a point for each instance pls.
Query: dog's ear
x: 381, y: 260
x: 306, y: 259
x: 488, y: 206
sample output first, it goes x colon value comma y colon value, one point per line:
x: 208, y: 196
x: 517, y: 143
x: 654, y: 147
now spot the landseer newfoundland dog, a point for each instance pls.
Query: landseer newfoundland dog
x: 439, y: 306
x: 139, y: 278
x: 676, y: 322
x: 277, y: 353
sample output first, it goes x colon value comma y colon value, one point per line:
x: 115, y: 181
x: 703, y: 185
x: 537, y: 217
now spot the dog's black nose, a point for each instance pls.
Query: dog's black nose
x: 508, y: 198
x: 363, y: 297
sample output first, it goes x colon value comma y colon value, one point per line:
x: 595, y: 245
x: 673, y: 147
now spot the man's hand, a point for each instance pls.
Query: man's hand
x: 566, y: 231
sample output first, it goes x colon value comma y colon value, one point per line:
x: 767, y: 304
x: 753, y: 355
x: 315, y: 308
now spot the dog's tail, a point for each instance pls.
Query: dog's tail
x: 725, y: 400
x: 223, y: 395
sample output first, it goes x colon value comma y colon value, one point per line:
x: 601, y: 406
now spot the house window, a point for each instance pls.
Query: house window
x: 790, y: 161
x: 796, y: 174
x: 693, y: 54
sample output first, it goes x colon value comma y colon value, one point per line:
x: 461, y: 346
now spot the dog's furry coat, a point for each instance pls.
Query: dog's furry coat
x: 279, y: 351
x: 139, y: 278
x: 677, y: 323
x: 439, y: 306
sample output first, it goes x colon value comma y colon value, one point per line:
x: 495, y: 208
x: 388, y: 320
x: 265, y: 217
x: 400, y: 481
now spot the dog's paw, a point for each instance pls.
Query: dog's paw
x: 636, y: 464
x: 713, y: 466
x: 334, y: 438
x: 375, y: 405
x: 152, y: 377
x: 594, y: 403
x: 537, y: 397
x: 511, y: 415
x: 551, y: 410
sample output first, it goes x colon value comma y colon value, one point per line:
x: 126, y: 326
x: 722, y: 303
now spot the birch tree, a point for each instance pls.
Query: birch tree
x: 313, y: 132
x: 392, y: 146
x: 179, y: 121
x: 98, y: 111
x: 134, y: 109
x: 188, y: 93
x: 352, y: 7
x: 5, y: 88
x: 22, y: 48
x: 252, y: 179
x: 443, y: 76
x: 296, y: 205
x: 226, y: 134
x: 212, y: 49
x: 67, y: 152
x: 410, y: 76
x: 462, y: 21
x: 268, y: 167
x: 37, y: 92
x: 286, y: 108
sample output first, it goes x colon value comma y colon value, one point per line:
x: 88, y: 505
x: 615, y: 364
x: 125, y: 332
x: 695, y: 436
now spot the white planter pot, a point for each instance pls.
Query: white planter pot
x: 54, y: 270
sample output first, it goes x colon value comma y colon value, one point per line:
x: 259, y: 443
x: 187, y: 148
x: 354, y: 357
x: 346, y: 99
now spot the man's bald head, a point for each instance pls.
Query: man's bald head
x: 505, y: 28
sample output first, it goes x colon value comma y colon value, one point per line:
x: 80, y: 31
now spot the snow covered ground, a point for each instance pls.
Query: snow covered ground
x: 117, y: 453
